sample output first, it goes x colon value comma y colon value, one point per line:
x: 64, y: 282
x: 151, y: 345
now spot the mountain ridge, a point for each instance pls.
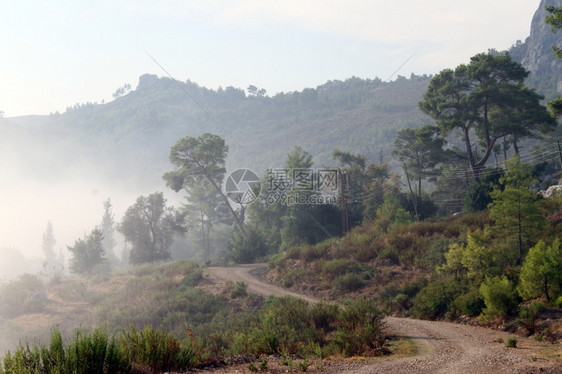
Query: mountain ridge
x: 132, y: 134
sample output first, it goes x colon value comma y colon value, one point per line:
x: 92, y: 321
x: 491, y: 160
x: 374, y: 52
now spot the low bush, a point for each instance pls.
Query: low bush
x: 360, y: 329
x: 16, y: 296
x: 390, y: 254
x: 348, y: 283
x: 360, y: 246
x: 293, y: 277
x: 511, y: 342
x: 285, y: 326
x: 434, y: 299
x: 528, y: 316
x: 88, y: 352
x: 435, y: 256
x: 468, y: 304
x: 240, y: 289
x: 156, y: 349
x: 307, y: 252
x: 180, y: 268
x: 159, y: 301
x: 276, y: 261
x: 290, y: 326
x: 336, y: 267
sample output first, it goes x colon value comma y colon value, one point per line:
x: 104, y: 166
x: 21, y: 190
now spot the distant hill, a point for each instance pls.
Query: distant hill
x: 132, y: 135
x: 60, y: 167
x: 129, y: 138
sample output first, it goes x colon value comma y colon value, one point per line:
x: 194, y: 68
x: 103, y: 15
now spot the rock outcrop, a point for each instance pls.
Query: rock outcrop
x: 538, y: 57
x: 552, y: 191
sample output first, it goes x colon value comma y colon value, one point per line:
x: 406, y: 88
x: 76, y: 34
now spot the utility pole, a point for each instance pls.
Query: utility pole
x: 343, y: 197
x: 559, y: 152
x: 504, y: 151
x: 414, y: 200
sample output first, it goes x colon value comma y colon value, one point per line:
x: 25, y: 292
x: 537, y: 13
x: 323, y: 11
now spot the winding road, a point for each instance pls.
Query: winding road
x: 443, y: 347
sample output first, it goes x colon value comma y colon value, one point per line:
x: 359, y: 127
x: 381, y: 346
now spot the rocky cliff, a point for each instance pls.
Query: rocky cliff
x: 538, y: 57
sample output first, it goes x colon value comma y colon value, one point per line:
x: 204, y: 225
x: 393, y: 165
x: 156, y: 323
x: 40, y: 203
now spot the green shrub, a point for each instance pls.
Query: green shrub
x: 307, y: 252
x: 180, y: 268
x: 144, y: 269
x: 335, y: 268
x: 275, y: 261
x: 285, y: 325
x: 435, y: 256
x: 156, y: 349
x: 323, y: 318
x: 88, y: 352
x: 348, y: 283
x: 293, y: 277
x: 413, y: 288
x: 469, y: 304
x: 15, y: 295
x: 401, y: 242
x: 240, y: 290
x: 360, y: 247
x: 408, y: 257
x: 303, y: 365
x: 163, y: 301
x: 500, y: 297
x: 360, y: 329
x: 390, y: 254
x: 511, y: 343
x: 540, y: 336
x: 435, y: 299
x: 528, y: 316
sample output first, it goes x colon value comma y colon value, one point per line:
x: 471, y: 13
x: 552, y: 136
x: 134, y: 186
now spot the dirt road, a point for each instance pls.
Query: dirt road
x: 444, y: 347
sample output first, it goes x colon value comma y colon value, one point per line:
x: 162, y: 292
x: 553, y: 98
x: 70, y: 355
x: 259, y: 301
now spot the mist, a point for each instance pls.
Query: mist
x: 45, y: 181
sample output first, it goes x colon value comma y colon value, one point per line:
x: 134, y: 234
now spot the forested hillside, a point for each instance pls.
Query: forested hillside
x: 132, y: 135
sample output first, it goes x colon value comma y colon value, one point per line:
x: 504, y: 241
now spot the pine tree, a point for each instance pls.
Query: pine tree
x: 48, y: 246
x: 87, y: 253
x: 519, y: 220
x: 149, y: 226
x: 108, y: 230
x: 541, y: 274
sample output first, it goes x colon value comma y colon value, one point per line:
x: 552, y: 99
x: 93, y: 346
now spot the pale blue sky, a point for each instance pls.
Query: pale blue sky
x: 57, y: 53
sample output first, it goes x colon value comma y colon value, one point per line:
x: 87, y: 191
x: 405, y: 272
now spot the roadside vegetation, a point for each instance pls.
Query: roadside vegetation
x: 505, y: 262
x: 159, y: 318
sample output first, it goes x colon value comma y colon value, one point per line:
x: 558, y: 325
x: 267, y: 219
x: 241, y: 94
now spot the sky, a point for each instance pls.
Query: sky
x: 58, y: 53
